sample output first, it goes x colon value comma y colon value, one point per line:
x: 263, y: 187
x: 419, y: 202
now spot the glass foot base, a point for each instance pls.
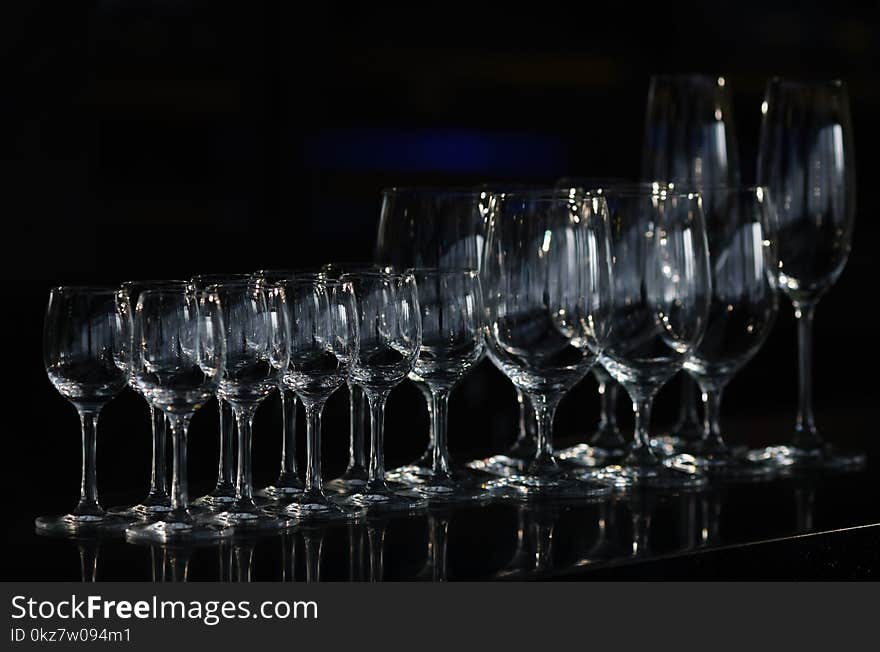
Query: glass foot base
x: 528, y: 487
x: 146, y: 509
x: 499, y: 465
x: 247, y: 519
x: 80, y: 525
x: 177, y: 532
x: 214, y: 501
x: 587, y: 456
x: 730, y: 467
x: 316, y: 511
x: 345, y: 486
x: 452, y: 492
x: 409, y: 474
x: 280, y: 492
x: 792, y: 457
x: 674, y: 473
x: 405, y: 500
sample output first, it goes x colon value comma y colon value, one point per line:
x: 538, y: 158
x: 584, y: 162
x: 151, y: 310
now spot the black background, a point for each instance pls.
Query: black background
x: 162, y: 139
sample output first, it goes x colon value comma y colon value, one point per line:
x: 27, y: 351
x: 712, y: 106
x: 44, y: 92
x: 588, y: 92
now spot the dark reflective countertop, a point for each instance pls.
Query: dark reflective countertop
x: 803, y: 526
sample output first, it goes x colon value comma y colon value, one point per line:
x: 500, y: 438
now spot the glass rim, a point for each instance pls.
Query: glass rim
x: 719, y: 79
x: 83, y: 289
x: 400, y: 276
x: 647, y: 189
x: 434, y: 191
x: 797, y: 82
x: 443, y: 271
x: 155, y: 283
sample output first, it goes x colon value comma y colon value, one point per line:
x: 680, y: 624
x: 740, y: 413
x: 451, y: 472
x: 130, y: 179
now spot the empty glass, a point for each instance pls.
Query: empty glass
x: 355, y: 476
x: 807, y: 161
x: 83, y: 342
x: 741, y: 232
x: 690, y: 140
x: 662, y: 288
x: 390, y: 337
x: 451, y: 308
x: 224, y: 489
x: 178, y: 355
x: 546, y: 282
x: 323, y: 346
x: 257, y: 353
x: 157, y: 500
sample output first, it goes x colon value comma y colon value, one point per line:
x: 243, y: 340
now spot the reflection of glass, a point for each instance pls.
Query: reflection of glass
x: 438, y: 537
x: 534, y: 543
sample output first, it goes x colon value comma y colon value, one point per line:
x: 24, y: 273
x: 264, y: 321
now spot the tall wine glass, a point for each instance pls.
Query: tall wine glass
x: 451, y: 310
x: 390, y: 338
x: 546, y: 278
x: 441, y: 228
x: 224, y: 489
x: 741, y: 232
x: 178, y: 356
x: 157, y: 499
x: 690, y: 141
x: 662, y: 289
x: 356, y: 474
x: 807, y: 161
x: 323, y: 346
x: 257, y: 353
x: 83, y: 343
x: 607, y: 443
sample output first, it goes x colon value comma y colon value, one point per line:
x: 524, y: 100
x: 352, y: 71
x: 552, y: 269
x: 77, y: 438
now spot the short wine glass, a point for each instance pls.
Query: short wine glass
x: 178, y: 353
x: 324, y: 337
x: 83, y: 344
x: 257, y: 353
x: 390, y: 338
x: 741, y: 230
x: 807, y: 161
x: 546, y: 282
x: 224, y: 489
x: 662, y: 288
x: 157, y: 499
x: 451, y: 309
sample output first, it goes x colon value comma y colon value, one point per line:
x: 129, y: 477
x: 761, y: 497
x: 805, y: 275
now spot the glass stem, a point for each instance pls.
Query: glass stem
x: 440, y: 448
x: 713, y: 443
x: 608, y: 405
x: 545, y: 410
x: 376, y: 481
x: 226, y: 467
x: 244, y: 492
x: 357, y: 410
x: 640, y: 452
x: 88, y: 490
x: 314, y: 546
x: 428, y: 455
x: 158, y: 473
x: 179, y: 491
x: 288, y: 435
x: 806, y: 435
x: 688, y: 415
x: 313, y: 447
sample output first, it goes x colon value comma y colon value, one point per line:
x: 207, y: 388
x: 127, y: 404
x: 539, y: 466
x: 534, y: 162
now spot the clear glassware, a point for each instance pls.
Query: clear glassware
x: 690, y: 141
x: 424, y: 227
x: 324, y: 336
x: 257, y: 353
x: 607, y: 443
x: 157, y: 500
x: 807, y: 161
x: 662, y: 289
x: 224, y: 489
x: 390, y: 337
x: 741, y: 228
x: 177, y: 358
x: 546, y: 281
x: 451, y: 309
x: 288, y: 483
x: 83, y: 351
x: 355, y: 476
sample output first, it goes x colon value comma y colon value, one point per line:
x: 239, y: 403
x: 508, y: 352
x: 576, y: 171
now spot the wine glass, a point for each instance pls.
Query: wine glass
x: 83, y: 344
x: 323, y: 346
x: 157, y: 499
x: 451, y: 310
x: 257, y: 354
x: 662, y: 288
x: 690, y: 141
x: 546, y: 282
x: 390, y: 337
x: 807, y: 161
x: 607, y: 443
x: 355, y: 476
x: 425, y: 227
x: 224, y: 490
x: 741, y: 230
x: 178, y: 353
